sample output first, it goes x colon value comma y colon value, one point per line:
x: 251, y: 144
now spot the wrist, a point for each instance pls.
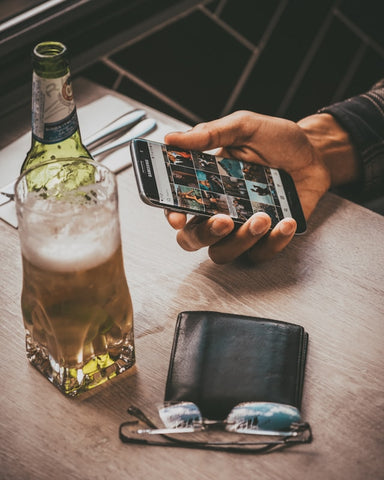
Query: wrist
x: 333, y: 147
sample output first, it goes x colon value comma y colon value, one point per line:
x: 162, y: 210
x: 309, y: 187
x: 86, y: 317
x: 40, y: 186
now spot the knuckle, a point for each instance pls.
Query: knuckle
x: 217, y: 257
x: 243, y: 114
x: 266, y: 249
x: 186, y: 242
x: 194, y: 235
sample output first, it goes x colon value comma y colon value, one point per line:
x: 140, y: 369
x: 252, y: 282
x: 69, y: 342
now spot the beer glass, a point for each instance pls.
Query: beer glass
x: 76, y: 305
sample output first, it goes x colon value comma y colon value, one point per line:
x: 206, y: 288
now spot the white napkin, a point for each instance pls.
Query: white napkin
x: 92, y: 118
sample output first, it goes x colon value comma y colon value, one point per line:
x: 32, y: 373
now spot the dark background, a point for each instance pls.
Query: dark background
x: 198, y: 60
x: 285, y: 58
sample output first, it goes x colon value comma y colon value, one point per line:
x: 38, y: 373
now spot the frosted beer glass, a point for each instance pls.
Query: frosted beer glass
x: 75, y: 301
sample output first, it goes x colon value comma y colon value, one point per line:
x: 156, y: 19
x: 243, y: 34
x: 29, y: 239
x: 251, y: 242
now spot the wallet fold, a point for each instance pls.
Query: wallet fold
x: 219, y: 360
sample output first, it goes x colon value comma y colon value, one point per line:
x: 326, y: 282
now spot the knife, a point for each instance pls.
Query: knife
x: 111, y: 130
x: 144, y: 127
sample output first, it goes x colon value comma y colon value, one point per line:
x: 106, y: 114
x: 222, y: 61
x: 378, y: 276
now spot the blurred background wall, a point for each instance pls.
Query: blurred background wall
x: 201, y: 59
x: 279, y: 57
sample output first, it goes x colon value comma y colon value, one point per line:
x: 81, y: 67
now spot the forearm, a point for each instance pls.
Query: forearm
x: 334, y: 148
x: 362, y: 117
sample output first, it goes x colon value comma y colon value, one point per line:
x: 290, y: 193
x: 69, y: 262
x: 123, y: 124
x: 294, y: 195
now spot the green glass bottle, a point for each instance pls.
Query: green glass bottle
x: 55, y: 127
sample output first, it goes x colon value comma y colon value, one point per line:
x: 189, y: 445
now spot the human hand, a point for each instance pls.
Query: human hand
x: 260, y: 139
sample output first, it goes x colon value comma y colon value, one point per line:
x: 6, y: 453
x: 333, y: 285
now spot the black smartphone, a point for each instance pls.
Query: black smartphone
x: 204, y: 184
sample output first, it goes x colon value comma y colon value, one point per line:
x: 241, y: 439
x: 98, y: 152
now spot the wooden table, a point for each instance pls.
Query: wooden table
x: 330, y: 280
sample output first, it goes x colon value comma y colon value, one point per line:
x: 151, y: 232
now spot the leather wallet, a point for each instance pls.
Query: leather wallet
x: 219, y: 360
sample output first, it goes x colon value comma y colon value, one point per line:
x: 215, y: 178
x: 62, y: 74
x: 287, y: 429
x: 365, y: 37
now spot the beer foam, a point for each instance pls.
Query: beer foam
x: 76, y: 245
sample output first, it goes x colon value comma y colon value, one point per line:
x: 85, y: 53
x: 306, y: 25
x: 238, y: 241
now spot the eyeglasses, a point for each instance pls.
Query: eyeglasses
x: 184, y: 426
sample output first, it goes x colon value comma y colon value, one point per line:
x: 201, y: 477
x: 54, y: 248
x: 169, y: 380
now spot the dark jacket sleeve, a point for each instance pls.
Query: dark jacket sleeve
x: 362, y: 117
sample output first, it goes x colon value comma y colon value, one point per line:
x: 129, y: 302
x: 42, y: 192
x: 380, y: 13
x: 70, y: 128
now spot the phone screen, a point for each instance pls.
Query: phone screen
x: 197, y: 182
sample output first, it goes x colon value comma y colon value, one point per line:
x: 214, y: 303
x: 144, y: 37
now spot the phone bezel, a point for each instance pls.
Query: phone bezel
x: 287, y: 181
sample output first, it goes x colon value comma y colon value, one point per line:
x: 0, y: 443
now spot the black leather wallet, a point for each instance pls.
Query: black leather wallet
x: 219, y: 360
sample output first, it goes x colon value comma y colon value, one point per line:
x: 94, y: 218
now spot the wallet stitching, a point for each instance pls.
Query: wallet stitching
x: 299, y: 370
x: 173, y: 352
x: 301, y: 364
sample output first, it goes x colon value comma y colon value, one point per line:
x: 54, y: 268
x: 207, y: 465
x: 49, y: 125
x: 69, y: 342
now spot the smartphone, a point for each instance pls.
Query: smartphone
x: 204, y: 184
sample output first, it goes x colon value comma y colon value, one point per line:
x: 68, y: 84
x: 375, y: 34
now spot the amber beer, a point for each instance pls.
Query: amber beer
x: 76, y: 304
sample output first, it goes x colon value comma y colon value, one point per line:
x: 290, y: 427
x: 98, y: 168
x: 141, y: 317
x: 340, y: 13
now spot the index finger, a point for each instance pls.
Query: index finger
x: 234, y: 129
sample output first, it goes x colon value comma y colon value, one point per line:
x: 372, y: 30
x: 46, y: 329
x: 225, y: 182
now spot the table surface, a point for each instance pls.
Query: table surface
x: 330, y: 281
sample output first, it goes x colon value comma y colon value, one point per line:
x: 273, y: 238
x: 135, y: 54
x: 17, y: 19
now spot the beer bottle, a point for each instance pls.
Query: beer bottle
x: 55, y: 127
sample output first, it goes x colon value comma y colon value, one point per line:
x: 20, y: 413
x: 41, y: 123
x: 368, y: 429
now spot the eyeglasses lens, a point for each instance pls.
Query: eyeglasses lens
x: 259, y: 417
x: 181, y: 415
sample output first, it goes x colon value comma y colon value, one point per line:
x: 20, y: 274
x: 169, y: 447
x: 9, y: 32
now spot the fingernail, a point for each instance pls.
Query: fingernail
x: 259, y: 224
x: 220, y: 228
x: 287, y: 228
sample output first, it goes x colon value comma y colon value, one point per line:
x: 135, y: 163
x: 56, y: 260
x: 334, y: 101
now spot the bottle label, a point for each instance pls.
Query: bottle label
x: 54, y: 116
